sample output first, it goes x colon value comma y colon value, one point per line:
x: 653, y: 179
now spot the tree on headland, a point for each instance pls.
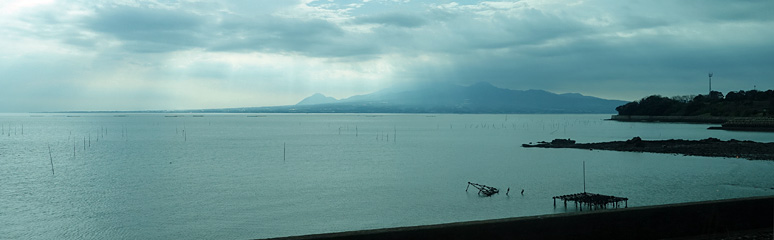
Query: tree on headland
x: 736, y: 104
x: 654, y: 105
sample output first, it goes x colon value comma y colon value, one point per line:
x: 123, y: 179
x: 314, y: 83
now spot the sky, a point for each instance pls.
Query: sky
x: 191, y: 54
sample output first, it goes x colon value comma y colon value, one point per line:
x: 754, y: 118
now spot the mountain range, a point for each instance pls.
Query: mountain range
x: 481, y: 97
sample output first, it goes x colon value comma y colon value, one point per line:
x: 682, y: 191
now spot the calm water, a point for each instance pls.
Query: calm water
x: 148, y: 176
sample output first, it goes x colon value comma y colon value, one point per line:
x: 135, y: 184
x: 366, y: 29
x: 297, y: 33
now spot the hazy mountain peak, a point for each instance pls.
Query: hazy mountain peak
x: 482, y: 85
x: 317, y: 98
x: 572, y: 95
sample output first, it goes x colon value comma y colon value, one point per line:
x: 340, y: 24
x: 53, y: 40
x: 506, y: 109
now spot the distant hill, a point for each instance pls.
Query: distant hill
x: 317, y: 98
x: 447, y: 98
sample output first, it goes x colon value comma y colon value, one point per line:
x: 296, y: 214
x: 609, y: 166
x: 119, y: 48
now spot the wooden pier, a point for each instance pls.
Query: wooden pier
x: 592, y: 200
x: 483, y: 189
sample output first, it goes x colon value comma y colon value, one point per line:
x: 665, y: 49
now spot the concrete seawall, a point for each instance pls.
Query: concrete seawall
x: 722, y: 217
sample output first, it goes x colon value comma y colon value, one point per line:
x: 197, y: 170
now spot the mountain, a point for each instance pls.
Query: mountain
x: 481, y: 97
x: 317, y: 98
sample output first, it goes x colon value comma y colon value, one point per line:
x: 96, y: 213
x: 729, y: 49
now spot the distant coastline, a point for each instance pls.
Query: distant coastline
x: 674, y: 119
x: 755, y: 124
x: 710, y: 147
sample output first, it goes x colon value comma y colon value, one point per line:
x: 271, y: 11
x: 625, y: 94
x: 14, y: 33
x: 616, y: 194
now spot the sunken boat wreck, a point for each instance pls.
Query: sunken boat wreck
x: 483, y: 190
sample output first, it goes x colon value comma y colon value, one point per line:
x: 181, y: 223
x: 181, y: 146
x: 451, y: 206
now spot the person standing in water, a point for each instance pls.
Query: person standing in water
x: 522, y: 192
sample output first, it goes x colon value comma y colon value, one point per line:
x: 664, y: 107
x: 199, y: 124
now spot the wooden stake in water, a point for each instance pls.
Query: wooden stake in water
x: 51, y: 158
x: 584, y: 176
x: 283, y: 151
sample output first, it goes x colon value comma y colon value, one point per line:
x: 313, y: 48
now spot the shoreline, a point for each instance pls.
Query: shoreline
x: 710, y: 147
x: 671, y: 119
x: 752, y: 124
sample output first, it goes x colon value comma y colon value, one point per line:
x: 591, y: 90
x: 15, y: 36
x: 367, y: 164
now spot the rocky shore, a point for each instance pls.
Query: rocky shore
x: 710, y: 147
x: 748, y: 124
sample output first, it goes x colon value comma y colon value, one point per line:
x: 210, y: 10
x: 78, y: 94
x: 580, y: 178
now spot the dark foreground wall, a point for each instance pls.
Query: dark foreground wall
x: 666, y: 221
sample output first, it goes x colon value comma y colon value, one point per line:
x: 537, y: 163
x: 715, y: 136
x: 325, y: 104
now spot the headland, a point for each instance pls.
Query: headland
x: 736, y: 111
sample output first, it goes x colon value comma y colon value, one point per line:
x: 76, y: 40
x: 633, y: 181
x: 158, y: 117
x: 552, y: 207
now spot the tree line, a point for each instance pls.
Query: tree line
x: 741, y: 103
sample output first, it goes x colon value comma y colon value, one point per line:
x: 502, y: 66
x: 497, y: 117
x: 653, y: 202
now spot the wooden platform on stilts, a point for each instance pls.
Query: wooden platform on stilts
x: 592, y: 200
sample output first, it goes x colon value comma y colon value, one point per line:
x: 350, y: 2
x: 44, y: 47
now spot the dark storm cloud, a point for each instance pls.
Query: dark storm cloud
x: 154, y: 30
x: 275, y: 34
x: 150, y: 29
x: 533, y: 27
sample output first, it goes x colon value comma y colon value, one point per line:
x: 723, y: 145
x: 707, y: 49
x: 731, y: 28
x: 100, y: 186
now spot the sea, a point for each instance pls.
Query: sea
x: 247, y: 176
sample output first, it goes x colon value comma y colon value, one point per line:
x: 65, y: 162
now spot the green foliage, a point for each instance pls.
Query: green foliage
x: 737, y: 104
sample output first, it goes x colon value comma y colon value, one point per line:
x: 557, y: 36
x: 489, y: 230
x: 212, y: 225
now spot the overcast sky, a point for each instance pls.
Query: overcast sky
x: 141, y: 55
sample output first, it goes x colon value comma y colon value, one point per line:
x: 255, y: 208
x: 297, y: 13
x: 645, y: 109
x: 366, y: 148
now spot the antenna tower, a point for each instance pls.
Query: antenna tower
x: 710, y: 83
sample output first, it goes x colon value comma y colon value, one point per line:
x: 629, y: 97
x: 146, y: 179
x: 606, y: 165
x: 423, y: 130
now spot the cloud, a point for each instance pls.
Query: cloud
x: 148, y: 29
x: 393, y: 19
x: 276, y: 52
x: 312, y: 37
